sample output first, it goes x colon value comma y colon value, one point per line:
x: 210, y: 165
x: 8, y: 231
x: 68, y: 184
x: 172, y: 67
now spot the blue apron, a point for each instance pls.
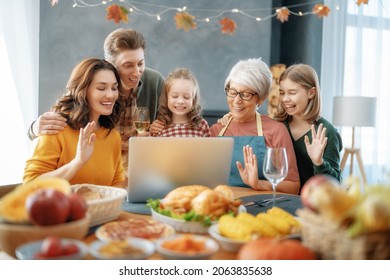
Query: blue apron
x: 259, y: 148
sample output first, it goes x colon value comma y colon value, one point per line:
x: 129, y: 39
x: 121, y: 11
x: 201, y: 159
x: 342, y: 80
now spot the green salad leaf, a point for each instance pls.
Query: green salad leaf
x: 190, y: 216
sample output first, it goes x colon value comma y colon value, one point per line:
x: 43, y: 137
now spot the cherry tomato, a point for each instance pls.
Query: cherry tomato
x: 51, y: 247
x: 69, y: 249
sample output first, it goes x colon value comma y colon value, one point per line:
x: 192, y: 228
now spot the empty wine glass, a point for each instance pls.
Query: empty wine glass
x: 275, y: 167
x: 141, y: 119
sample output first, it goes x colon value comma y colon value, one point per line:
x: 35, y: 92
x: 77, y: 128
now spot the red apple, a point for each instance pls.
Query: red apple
x: 78, y: 206
x: 48, y: 207
x: 318, y: 181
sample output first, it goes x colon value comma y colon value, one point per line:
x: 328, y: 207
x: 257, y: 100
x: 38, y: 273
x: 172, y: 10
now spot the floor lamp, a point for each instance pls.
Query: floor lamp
x: 354, y: 111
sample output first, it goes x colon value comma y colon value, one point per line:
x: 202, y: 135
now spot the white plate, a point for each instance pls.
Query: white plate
x: 211, y: 248
x: 179, y: 224
x: 226, y: 243
x: 144, y: 228
x: 147, y: 249
x: 27, y: 251
x: 186, y: 226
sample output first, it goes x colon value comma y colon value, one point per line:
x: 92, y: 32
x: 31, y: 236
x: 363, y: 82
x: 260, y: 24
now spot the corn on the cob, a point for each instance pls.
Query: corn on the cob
x: 233, y: 228
x: 259, y: 227
x: 279, y: 212
x: 279, y: 224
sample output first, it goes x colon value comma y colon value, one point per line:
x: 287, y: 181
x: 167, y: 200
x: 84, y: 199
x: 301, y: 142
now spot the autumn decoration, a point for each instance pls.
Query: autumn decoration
x: 186, y: 20
x: 228, y: 25
x: 273, y: 97
x: 358, y: 2
x: 282, y: 14
x: 117, y: 13
x: 321, y: 10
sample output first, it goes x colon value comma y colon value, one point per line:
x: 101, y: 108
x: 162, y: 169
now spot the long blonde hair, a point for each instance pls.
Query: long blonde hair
x: 306, y: 76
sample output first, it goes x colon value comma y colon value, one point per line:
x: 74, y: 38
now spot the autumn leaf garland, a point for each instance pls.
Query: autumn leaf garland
x: 117, y: 13
x: 186, y: 21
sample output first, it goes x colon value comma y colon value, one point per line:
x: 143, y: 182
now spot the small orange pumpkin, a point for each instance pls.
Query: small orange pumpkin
x: 275, y: 249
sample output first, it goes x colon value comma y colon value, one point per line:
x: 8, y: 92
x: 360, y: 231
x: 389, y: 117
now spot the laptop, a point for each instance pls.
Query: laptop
x: 158, y: 165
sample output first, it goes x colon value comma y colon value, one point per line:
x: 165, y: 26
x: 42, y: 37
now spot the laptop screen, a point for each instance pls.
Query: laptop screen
x: 159, y: 164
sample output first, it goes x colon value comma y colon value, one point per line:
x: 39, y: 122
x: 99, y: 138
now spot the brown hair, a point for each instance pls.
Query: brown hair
x: 122, y: 39
x: 164, y: 114
x: 73, y: 104
x: 306, y: 76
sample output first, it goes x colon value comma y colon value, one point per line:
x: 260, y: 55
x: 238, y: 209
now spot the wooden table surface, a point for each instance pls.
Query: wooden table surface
x: 220, y: 255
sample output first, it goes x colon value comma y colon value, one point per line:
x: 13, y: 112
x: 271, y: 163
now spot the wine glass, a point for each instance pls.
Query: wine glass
x: 275, y: 168
x: 141, y: 119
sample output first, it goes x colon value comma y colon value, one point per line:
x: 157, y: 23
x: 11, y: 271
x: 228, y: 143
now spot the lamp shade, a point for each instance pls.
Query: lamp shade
x: 354, y: 111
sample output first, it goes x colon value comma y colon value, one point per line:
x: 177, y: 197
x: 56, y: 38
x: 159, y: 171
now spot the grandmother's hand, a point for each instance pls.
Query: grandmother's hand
x: 249, y: 173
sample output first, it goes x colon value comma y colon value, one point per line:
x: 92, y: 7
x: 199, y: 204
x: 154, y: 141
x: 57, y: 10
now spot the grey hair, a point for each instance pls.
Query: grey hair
x: 253, y: 73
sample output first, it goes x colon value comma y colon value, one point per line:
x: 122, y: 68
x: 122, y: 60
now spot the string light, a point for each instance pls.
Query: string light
x: 144, y: 8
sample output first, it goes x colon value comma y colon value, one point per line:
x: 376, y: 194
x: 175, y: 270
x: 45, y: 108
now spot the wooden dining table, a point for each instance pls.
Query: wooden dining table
x: 220, y: 255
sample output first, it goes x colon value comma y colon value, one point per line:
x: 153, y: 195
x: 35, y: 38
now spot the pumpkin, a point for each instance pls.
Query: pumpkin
x: 12, y: 205
x: 275, y: 249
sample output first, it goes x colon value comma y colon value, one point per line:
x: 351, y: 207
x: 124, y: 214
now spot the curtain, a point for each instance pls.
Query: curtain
x: 355, y: 62
x: 19, y: 56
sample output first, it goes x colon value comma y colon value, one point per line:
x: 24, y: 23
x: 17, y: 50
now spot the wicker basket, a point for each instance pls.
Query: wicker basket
x: 108, y: 207
x: 330, y: 242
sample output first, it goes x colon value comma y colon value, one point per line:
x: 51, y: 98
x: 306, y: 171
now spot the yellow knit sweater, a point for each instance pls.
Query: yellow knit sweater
x: 53, y: 151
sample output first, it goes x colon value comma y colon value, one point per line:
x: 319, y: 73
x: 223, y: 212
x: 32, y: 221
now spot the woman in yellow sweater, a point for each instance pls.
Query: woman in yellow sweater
x: 88, y: 150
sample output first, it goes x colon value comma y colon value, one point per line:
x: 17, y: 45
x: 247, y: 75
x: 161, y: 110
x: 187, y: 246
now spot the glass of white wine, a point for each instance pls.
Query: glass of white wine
x: 275, y: 167
x: 141, y: 119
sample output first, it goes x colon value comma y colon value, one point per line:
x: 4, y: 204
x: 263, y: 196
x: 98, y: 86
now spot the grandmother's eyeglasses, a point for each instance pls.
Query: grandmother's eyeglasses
x: 244, y: 95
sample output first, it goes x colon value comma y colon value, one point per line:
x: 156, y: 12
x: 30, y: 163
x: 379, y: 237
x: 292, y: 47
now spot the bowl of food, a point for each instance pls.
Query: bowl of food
x: 14, y: 235
x: 232, y: 232
x: 186, y: 247
x: 134, y: 227
x: 40, y: 208
x: 126, y: 249
x: 194, y: 208
x: 182, y: 225
x: 228, y: 244
x: 52, y: 248
x: 104, y: 202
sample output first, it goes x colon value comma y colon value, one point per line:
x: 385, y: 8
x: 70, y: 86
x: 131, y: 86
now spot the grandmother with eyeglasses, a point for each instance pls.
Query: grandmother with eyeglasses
x: 247, y: 87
